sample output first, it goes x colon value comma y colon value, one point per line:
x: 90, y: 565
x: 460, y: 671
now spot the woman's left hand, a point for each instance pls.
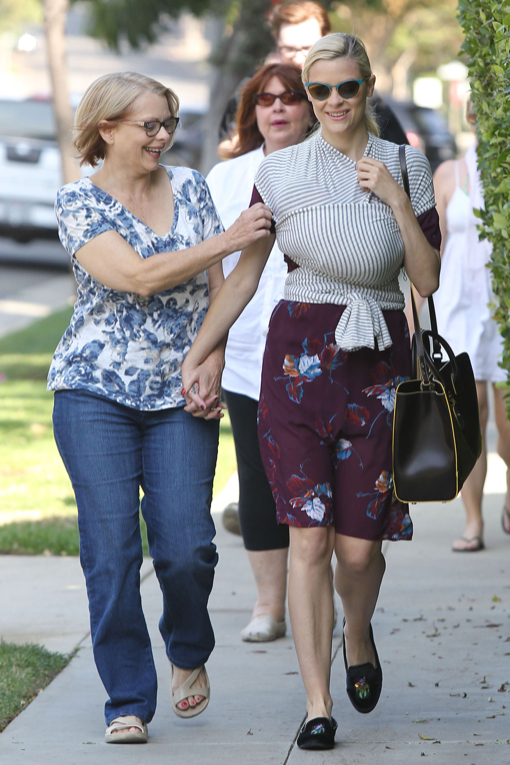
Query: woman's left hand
x: 202, y: 387
x: 374, y: 176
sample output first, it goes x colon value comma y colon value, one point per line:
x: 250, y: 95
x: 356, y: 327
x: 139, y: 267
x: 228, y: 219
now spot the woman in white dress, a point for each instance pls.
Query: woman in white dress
x: 465, y: 320
x: 273, y: 113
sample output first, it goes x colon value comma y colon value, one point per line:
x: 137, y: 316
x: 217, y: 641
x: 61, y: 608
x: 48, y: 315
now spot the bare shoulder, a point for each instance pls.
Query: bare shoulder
x: 445, y: 171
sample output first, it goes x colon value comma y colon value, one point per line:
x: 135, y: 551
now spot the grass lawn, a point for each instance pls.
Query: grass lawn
x: 37, y: 507
x: 24, y: 671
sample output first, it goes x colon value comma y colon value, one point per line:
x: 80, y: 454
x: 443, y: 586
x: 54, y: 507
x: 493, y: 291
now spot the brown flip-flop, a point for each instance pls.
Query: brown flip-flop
x: 478, y: 546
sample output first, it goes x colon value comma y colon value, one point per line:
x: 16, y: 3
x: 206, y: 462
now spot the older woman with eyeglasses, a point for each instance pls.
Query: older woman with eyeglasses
x: 145, y: 242
x: 337, y: 346
x: 273, y: 113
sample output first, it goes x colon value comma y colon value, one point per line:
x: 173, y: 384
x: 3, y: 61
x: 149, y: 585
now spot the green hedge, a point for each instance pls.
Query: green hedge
x: 486, y: 25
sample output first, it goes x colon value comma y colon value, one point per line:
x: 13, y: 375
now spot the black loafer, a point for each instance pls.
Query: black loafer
x: 318, y: 733
x: 364, y: 681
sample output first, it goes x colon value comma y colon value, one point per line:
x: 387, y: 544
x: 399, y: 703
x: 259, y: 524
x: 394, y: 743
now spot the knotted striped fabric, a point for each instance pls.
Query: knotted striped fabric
x: 345, y: 240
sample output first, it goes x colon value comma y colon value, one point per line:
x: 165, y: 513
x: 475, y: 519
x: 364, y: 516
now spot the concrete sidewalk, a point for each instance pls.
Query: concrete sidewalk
x: 443, y: 634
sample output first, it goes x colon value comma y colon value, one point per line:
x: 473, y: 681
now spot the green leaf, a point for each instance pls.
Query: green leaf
x: 500, y: 220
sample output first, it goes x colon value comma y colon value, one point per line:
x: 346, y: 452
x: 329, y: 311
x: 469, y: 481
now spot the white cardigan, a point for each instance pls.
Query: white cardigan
x: 231, y: 186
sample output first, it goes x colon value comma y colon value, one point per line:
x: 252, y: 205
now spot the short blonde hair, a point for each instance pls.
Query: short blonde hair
x: 339, y: 45
x: 110, y: 98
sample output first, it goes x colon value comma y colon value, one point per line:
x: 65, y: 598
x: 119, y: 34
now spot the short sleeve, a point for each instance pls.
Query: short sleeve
x: 211, y: 222
x: 78, y: 218
x: 429, y: 224
x: 255, y: 198
x: 420, y: 181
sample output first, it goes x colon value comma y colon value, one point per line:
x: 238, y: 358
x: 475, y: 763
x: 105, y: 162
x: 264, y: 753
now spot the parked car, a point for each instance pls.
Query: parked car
x: 30, y: 169
x: 427, y: 129
x: 30, y: 165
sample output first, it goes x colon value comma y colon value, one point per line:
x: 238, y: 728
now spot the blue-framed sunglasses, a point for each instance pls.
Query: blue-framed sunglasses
x: 321, y: 92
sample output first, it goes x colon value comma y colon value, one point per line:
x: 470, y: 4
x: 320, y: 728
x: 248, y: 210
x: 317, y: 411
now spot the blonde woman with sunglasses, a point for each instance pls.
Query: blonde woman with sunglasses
x: 337, y: 347
x: 145, y: 242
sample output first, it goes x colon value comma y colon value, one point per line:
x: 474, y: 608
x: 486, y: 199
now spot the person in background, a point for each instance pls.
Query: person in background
x: 465, y: 320
x: 145, y: 242
x: 337, y: 346
x: 274, y: 112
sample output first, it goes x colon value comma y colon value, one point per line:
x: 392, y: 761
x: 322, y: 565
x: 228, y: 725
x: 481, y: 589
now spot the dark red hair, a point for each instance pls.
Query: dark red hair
x: 248, y: 136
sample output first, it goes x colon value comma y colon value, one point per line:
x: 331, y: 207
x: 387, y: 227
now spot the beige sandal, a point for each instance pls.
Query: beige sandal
x: 125, y: 735
x: 185, y: 690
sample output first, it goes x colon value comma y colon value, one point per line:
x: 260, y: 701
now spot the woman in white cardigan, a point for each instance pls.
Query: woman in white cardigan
x: 274, y: 113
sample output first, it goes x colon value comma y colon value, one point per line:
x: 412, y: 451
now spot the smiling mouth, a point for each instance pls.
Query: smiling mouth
x: 155, y: 152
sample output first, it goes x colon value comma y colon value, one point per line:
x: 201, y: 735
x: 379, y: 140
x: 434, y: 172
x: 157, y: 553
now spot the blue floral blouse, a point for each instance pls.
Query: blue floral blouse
x: 121, y: 345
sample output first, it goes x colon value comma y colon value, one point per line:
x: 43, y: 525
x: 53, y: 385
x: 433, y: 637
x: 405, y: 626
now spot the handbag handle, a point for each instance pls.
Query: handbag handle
x: 433, y: 334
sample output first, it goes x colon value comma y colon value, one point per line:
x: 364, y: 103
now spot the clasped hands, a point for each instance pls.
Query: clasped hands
x: 201, y: 387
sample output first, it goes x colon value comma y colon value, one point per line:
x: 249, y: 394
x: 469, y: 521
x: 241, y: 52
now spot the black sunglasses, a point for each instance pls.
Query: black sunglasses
x: 321, y: 92
x: 153, y: 127
x: 288, y: 98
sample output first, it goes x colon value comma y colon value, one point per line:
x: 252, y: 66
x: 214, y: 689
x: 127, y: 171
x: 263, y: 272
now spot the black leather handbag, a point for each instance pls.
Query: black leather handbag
x: 436, y: 426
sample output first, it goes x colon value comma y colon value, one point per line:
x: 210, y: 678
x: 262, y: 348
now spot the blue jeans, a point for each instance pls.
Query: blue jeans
x: 110, y: 451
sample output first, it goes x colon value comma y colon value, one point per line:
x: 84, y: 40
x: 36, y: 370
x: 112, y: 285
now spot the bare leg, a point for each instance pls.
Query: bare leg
x: 472, y: 491
x: 503, y: 426
x: 358, y: 576
x: 311, y: 612
x: 270, y: 571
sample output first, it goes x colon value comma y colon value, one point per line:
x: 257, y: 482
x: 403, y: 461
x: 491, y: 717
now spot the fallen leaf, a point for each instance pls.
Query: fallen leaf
x: 436, y: 685
x: 291, y: 673
x: 258, y: 651
x: 420, y: 720
x: 496, y: 599
x: 411, y: 685
x: 490, y: 698
x: 502, y: 688
x: 426, y: 738
x: 498, y: 741
x: 390, y: 747
x: 249, y: 733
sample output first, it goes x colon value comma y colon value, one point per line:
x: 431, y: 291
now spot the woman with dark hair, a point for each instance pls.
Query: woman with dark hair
x: 337, y: 347
x: 273, y: 113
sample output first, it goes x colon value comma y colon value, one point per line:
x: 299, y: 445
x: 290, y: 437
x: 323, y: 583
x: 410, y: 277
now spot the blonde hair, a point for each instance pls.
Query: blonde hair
x: 339, y: 45
x: 110, y: 98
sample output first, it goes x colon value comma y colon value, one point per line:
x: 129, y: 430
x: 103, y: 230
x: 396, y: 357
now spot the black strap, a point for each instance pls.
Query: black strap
x: 436, y: 354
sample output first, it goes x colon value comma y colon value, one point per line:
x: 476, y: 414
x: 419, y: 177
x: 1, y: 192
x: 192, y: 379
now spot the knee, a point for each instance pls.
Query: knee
x: 312, y: 547
x: 188, y: 561
x: 358, y: 560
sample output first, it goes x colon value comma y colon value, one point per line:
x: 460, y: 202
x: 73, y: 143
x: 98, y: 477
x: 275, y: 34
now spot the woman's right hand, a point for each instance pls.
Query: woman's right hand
x: 253, y: 224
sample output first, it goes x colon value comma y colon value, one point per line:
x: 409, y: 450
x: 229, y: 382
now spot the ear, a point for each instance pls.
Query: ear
x: 106, y: 131
x: 370, y: 86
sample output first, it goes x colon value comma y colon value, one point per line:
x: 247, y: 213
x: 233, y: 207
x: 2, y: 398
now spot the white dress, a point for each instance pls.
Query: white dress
x: 463, y: 316
x: 231, y: 186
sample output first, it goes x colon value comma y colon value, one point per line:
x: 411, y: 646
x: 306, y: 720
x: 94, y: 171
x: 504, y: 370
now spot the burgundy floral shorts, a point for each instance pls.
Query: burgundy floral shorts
x: 325, y: 423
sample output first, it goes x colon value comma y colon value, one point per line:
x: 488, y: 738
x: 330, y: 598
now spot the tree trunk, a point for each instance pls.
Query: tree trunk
x: 235, y: 56
x: 55, y: 15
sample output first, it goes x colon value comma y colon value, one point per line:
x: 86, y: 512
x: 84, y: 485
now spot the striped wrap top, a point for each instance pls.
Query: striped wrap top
x: 345, y: 240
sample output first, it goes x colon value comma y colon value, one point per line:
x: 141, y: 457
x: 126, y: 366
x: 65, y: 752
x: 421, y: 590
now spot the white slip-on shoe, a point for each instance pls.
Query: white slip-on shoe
x: 263, y: 628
